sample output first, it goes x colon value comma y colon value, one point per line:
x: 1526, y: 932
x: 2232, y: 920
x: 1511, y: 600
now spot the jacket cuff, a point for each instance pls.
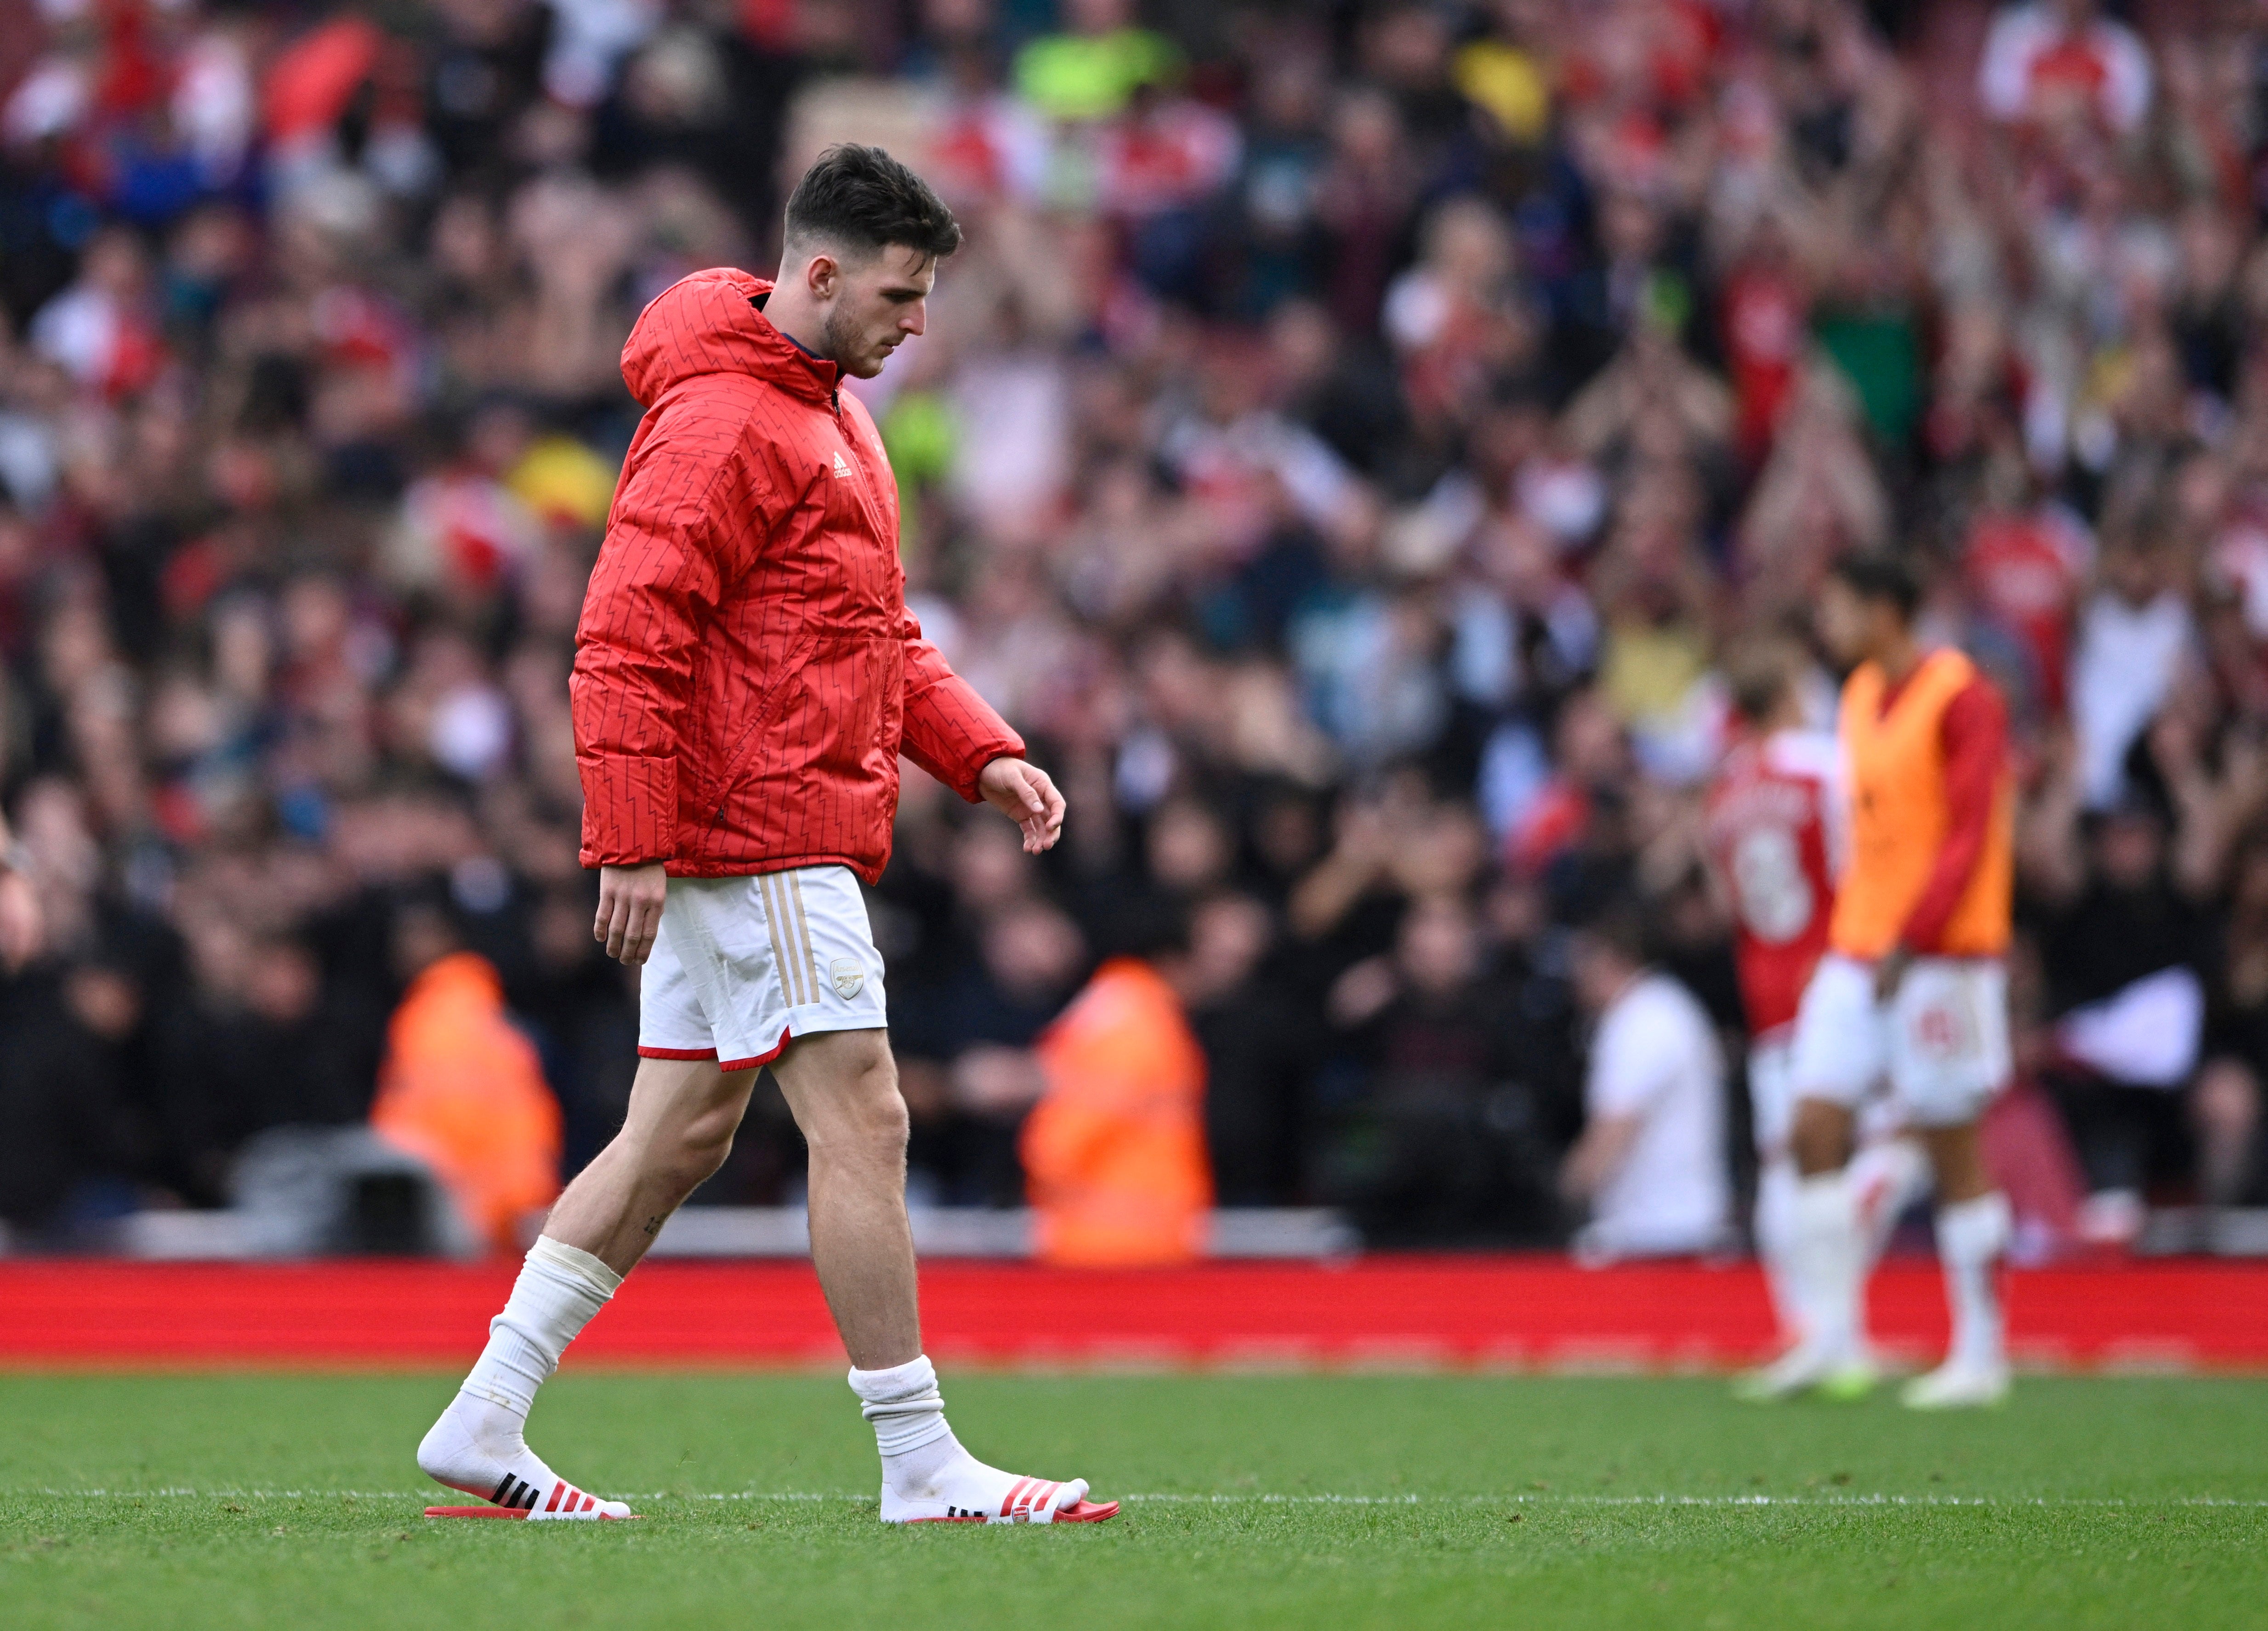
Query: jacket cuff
x: 960, y: 773
x: 953, y: 733
x: 630, y: 809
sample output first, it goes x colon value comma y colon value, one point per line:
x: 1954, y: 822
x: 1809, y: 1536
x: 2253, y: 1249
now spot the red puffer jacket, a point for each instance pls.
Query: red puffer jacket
x: 745, y: 669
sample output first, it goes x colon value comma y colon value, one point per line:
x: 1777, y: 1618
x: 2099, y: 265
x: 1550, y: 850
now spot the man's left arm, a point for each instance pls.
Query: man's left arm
x: 958, y: 737
x: 1631, y: 1063
x: 1598, y: 1155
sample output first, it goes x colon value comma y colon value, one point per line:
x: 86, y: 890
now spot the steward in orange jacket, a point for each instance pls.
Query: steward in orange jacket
x: 462, y: 1089
x: 1114, y: 1152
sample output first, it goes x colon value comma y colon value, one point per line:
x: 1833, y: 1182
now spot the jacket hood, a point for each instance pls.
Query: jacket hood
x: 710, y: 324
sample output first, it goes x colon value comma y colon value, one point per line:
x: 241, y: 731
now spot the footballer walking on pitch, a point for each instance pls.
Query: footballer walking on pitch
x: 1777, y: 834
x: 746, y: 676
x: 1913, y: 987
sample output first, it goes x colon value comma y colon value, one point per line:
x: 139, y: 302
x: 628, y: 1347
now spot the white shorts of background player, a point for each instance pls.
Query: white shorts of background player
x: 742, y: 965
x: 1771, y: 1097
x: 1941, y: 1041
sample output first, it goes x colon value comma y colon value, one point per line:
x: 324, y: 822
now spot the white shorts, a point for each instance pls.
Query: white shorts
x: 1771, y: 1089
x: 1771, y: 1097
x: 1942, y: 1041
x: 743, y: 963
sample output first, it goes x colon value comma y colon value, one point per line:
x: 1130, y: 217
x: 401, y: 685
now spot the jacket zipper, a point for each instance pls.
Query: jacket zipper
x: 870, y: 500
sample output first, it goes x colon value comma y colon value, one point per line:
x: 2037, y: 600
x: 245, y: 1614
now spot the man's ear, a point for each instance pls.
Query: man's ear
x: 823, y: 276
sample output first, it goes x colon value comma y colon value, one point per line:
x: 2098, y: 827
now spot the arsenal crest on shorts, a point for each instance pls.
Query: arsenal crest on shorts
x: 848, y: 977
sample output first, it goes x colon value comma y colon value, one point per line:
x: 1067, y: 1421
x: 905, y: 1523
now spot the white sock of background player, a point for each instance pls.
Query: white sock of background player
x: 1886, y: 1177
x: 1971, y: 1234
x: 1775, y: 1233
x: 478, y: 1445
x: 1827, y: 1259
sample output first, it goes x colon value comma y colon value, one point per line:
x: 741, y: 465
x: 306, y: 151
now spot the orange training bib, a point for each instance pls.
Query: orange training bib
x: 1899, y: 818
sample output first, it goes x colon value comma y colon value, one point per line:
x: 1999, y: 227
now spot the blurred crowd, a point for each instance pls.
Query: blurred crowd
x: 1349, y: 443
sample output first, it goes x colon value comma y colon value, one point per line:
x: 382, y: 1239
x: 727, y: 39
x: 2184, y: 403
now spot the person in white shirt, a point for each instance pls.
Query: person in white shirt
x: 1650, y: 1164
x: 2134, y: 636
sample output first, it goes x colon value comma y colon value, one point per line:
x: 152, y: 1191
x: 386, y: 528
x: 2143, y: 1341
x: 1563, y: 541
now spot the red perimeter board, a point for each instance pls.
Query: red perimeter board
x: 1509, y: 1311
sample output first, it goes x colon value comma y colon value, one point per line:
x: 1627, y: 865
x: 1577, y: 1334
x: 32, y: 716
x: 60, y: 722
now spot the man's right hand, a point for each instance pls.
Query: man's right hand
x: 630, y: 910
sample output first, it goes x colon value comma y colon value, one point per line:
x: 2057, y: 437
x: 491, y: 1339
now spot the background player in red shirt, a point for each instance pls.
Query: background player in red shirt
x: 1776, y: 838
x: 746, y: 676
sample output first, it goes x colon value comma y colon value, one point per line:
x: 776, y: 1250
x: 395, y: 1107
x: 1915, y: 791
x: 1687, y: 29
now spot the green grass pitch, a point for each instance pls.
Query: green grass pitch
x: 138, y: 1502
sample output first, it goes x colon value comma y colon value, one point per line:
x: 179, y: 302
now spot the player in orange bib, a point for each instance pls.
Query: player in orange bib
x: 1775, y: 826
x: 1913, y: 986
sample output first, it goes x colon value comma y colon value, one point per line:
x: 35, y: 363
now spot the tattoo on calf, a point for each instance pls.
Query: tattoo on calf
x: 652, y: 1227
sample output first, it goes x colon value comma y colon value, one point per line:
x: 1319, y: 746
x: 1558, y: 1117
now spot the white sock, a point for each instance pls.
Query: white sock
x: 1970, y: 1236
x: 559, y: 1288
x: 1886, y: 1177
x: 926, y: 1474
x: 478, y: 1445
x: 1826, y: 1258
x: 908, y: 1411
x: 1775, y: 1233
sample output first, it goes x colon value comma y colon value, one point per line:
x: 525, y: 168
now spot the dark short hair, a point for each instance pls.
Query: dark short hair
x: 1881, y: 577
x: 1149, y: 926
x: 1621, y: 924
x: 863, y: 199
x: 1758, y: 675
x: 428, y: 894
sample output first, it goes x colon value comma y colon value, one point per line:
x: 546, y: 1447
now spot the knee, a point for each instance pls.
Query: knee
x: 1820, y: 1138
x: 2225, y: 1102
x: 866, y: 1118
x: 697, y: 1150
x: 874, y: 1112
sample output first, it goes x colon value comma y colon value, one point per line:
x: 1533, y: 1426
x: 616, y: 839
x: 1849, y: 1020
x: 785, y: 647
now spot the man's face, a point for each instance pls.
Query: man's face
x: 1439, y: 948
x: 1845, y: 623
x: 2132, y: 573
x: 1597, y: 972
x: 2128, y: 850
x: 876, y: 302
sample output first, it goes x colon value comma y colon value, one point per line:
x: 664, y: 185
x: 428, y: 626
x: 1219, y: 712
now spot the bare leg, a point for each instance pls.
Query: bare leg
x: 1958, y: 1156
x: 1821, y: 1137
x: 843, y: 1088
x: 682, y: 1116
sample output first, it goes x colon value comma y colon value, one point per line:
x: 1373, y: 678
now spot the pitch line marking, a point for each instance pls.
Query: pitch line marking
x: 1174, y: 1498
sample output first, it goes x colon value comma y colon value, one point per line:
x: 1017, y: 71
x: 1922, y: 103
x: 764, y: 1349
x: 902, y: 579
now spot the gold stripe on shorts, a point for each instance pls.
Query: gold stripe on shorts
x: 788, y: 916
x: 772, y: 914
x: 803, y: 930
